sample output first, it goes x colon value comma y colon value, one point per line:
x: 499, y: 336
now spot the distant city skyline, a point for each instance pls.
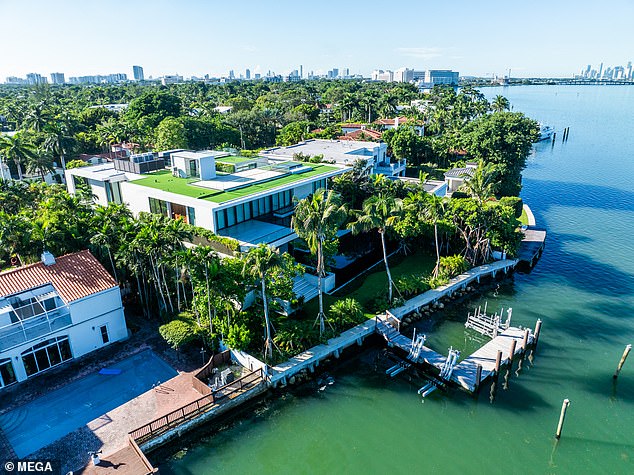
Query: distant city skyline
x: 197, y: 38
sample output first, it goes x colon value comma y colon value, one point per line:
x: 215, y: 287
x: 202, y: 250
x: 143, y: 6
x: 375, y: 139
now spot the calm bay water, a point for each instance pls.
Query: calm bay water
x: 582, y: 192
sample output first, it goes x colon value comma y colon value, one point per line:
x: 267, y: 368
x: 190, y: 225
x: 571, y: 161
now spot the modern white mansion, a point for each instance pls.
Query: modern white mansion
x: 249, y: 199
x: 54, y: 311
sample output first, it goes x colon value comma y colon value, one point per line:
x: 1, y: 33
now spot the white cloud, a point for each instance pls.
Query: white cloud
x: 421, y: 52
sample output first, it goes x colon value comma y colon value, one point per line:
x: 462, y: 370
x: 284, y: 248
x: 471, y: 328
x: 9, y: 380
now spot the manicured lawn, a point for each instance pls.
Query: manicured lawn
x: 234, y: 159
x: 369, y: 285
x: 164, y: 181
x: 524, y: 218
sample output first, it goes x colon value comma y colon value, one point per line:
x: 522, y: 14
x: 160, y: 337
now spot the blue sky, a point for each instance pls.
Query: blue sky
x: 195, y: 37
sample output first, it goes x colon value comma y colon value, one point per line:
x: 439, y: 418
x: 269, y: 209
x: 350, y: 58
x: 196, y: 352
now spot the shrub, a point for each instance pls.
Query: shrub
x: 345, y: 312
x: 225, y: 167
x: 177, y: 333
x: 435, y: 282
x: 238, y: 337
x: 451, y: 266
x: 413, y: 284
x: 514, y: 202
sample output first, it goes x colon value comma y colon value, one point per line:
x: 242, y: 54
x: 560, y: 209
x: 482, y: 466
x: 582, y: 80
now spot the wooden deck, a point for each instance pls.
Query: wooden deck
x: 127, y: 461
x: 464, y: 373
x: 532, y: 245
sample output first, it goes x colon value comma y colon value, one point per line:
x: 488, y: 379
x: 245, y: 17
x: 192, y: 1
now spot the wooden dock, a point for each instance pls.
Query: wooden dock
x: 464, y: 373
x: 532, y: 246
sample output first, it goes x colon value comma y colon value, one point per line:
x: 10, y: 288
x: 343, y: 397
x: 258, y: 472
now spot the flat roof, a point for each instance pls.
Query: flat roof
x: 201, y: 154
x: 102, y: 172
x: 342, y: 151
x: 234, y: 159
x: 194, y: 188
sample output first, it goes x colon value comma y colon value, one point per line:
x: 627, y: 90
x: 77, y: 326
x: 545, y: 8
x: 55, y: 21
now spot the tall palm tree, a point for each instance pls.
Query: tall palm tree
x: 380, y: 212
x: 258, y: 262
x: 18, y: 150
x: 37, y: 116
x: 316, y: 220
x: 500, y: 104
x: 436, y: 207
x: 41, y: 162
x: 480, y: 185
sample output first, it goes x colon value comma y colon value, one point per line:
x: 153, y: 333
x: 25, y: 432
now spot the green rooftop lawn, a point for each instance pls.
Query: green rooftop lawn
x: 163, y: 180
x: 234, y: 159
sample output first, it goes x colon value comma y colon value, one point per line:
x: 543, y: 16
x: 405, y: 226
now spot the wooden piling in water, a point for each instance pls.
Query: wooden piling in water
x: 509, y: 366
x: 562, y: 416
x: 626, y: 352
x: 476, y: 388
x: 496, y: 377
x: 538, y: 329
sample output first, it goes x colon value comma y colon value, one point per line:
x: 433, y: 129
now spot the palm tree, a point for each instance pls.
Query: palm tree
x: 37, y: 117
x: 316, y: 220
x: 40, y: 163
x: 435, y: 212
x: 500, y: 104
x: 481, y: 183
x: 18, y: 150
x: 257, y: 263
x: 380, y: 212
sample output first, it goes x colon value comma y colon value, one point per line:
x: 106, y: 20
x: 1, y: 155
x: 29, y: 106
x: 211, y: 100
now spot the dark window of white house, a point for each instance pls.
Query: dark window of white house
x: 104, y: 334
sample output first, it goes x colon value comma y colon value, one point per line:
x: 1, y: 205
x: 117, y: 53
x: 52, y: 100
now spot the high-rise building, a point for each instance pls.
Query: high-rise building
x: 301, y: 71
x: 35, y: 78
x: 404, y: 75
x: 138, y: 73
x: 441, y: 76
x: 231, y: 74
x: 57, y: 78
x: 248, y: 74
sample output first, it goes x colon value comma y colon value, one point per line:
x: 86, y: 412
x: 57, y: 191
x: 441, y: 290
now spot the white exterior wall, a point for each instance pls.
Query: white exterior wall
x: 87, y: 314
x: 136, y: 198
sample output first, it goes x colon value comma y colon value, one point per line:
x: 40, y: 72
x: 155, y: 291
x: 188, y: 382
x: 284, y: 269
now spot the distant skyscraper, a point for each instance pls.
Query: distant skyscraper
x: 258, y: 75
x: 57, y: 78
x: 248, y: 74
x: 301, y: 71
x: 35, y: 78
x: 138, y: 73
x: 231, y: 75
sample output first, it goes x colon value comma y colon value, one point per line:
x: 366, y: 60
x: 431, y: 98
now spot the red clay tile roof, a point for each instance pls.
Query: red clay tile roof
x: 74, y: 276
x: 364, y: 134
x: 352, y: 125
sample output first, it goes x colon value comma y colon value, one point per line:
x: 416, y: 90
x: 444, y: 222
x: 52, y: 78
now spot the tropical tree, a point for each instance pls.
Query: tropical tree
x: 500, y: 104
x: 480, y: 185
x: 316, y: 220
x: 41, y: 162
x: 258, y: 262
x: 18, y: 150
x: 435, y: 212
x: 381, y: 212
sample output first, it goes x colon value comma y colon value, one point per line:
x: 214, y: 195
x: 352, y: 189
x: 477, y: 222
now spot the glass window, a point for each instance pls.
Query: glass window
x: 276, y: 201
x: 247, y: 211
x: 193, y: 168
x: 53, y: 355
x: 191, y: 216
x: 220, y: 220
x: 7, y: 374
x: 29, y: 364
x: 105, y: 338
x: 42, y: 359
x: 240, y: 213
x: 231, y: 216
x: 64, y: 349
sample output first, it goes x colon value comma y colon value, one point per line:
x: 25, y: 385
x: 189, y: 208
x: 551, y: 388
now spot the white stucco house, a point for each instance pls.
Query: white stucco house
x: 56, y: 310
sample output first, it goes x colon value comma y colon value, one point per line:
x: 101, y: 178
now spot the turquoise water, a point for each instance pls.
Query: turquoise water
x: 583, y: 289
x: 48, y: 418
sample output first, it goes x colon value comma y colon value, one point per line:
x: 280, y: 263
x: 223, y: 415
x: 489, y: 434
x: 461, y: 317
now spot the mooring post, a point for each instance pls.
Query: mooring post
x: 476, y: 388
x: 538, y: 329
x: 509, y: 366
x: 626, y: 352
x: 523, y: 353
x: 496, y: 377
x: 562, y: 416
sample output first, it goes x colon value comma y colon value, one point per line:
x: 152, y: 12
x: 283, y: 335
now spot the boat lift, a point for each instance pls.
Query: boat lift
x: 445, y: 373
x: 418, y: 341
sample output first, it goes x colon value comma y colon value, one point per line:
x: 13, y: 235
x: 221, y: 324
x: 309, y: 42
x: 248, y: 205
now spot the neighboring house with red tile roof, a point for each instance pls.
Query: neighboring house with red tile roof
x: 54, y: 311
x: 394, y: 123
x: 363, y: 135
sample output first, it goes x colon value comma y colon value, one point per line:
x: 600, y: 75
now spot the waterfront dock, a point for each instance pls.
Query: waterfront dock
x: 532, y: 246
x: 465, y: 374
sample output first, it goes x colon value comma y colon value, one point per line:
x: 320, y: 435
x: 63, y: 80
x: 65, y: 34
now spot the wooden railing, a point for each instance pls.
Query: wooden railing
x: 194, y: 409
x: 144, y: 460
x: 216, y: 360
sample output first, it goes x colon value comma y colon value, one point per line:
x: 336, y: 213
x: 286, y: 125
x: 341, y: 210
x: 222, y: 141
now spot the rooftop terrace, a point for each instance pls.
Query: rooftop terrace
x: 165, y: 181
